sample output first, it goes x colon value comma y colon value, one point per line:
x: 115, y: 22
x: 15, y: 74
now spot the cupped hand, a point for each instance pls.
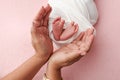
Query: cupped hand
x: 72, y: 52
x: 40, y: 37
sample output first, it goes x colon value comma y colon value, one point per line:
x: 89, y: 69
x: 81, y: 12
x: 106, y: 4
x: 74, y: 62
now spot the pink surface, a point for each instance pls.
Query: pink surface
x: 102, y: 63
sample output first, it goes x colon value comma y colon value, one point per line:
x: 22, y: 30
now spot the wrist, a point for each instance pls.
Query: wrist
x: 41, y: 59
x: 53, y: 72
x: 53, y: 63
x: 53, y: 66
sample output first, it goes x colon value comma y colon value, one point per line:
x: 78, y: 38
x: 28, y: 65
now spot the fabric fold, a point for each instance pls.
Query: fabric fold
x: 82, y: 12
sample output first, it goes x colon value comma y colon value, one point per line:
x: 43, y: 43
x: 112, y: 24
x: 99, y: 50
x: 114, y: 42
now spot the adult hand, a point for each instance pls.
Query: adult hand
x: 40, y: 36
x: 72, y: 52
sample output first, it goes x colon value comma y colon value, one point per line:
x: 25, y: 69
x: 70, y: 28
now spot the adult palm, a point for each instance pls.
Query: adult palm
x: 40, y: 37
x: 72, y: 52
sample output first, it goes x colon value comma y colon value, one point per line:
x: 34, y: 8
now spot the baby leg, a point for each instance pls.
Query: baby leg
x: 63, y: 34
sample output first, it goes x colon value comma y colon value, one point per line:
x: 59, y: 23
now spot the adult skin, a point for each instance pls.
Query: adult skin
x: 69, y: 54
x: 43, y: 48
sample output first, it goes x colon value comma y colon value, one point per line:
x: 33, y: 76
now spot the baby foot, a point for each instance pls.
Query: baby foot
x: 63, y: 34
x: 71, y: 29
x: 57, y: 24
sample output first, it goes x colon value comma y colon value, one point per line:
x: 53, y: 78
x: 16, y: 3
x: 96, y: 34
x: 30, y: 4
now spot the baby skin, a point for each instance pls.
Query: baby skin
x: 63, y: 34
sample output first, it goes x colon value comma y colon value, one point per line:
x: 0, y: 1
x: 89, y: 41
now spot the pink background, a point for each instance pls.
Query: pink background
x: 102, y: 62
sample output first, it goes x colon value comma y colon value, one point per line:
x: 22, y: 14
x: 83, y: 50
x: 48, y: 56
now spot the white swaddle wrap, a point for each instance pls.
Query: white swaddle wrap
x: 82, y: 12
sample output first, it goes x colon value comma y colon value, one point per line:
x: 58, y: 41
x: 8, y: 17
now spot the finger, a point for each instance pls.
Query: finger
x: 84, y: 37
x: 90, y: 40
x: 83, y: 53
x: 80, y: 36
x: 36, y: 24
x: 90, y: 31
x: 89, y: 34
x: 89, y: 43
x: 38, y: 19
x: 48, y: 10
x: 43, y: 30
x: 40, y: 14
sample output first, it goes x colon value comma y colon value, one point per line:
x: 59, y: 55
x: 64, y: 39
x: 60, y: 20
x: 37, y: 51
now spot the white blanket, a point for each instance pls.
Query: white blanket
x: 82, y: 12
